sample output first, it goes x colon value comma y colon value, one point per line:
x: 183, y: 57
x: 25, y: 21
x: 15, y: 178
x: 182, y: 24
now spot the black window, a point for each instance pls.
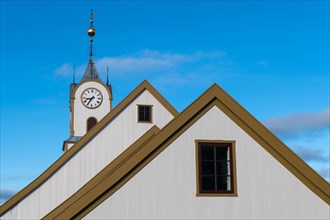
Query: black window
x: 215, y: 162
x: 91, y: 122
x: 144, y: 113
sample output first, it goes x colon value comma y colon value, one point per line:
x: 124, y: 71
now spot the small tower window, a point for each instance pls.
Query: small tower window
x: 144, y: 113
x: 90, y: 123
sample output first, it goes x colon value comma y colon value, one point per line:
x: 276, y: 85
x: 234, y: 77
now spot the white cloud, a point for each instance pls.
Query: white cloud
x: 213, y: 54
x: 302, y: 128
x: 299, y: 123
x: 131, y: 65
x: 144, y: 61
x: 148, y: 61
x: 325, y: 173
x: 309, y: 154
x: 170, y: 57
x: 64, y: 70
x: 171, y: 79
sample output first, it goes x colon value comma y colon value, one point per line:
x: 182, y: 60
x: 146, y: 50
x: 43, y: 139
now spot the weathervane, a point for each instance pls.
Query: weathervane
x: 91, y: 33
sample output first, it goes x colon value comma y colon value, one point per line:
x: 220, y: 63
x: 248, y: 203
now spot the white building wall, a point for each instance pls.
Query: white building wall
x: 99, y: 152
x: 81, y: 113
x: 166, y: 187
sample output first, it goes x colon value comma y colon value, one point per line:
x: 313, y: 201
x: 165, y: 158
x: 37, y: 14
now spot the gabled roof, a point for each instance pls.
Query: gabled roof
x: 117, y: 173
x: 90, y: 72
x: 145, y: 85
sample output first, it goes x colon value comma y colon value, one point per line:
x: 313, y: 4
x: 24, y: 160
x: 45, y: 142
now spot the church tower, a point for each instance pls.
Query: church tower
x: 90, y: 99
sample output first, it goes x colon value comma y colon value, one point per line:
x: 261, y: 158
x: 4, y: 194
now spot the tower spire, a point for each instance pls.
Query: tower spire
x: 91, y: 72
x: 91, y: 32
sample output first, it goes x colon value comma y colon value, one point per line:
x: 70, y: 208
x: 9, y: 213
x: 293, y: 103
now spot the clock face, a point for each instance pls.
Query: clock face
x: 91, y: 98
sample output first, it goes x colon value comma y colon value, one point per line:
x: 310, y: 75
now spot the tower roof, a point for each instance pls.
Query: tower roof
x: 91, y: 72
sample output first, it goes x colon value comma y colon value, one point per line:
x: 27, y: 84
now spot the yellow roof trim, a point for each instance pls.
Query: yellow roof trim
x: 145, y: 85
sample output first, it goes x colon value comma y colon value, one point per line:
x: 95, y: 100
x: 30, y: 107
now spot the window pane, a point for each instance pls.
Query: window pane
x: 208, y: 183
x: 141, y: 116
x: 208, y: 168
x: 141, y: 113
x: 228, y: 182
x: 207, y: 153
x: 146, y: 109
x: 221, y: 153
x: 222, y: 183
x: 147, y: 115
x: 222, y: 168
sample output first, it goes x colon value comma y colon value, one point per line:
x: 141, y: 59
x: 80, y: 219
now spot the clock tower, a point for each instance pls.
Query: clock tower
x: 90, y: 99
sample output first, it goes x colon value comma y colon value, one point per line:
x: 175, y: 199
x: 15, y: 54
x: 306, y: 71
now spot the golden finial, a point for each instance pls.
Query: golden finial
x: 91, y: 32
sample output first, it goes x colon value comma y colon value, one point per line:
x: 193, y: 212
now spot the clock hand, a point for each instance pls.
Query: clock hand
x: 90, y: 99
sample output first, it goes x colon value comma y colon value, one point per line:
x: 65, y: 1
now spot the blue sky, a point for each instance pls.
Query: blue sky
x: 271, y: 56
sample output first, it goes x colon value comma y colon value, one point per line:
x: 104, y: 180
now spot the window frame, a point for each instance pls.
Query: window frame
x: 232, y: 157
x: 138, y: 111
